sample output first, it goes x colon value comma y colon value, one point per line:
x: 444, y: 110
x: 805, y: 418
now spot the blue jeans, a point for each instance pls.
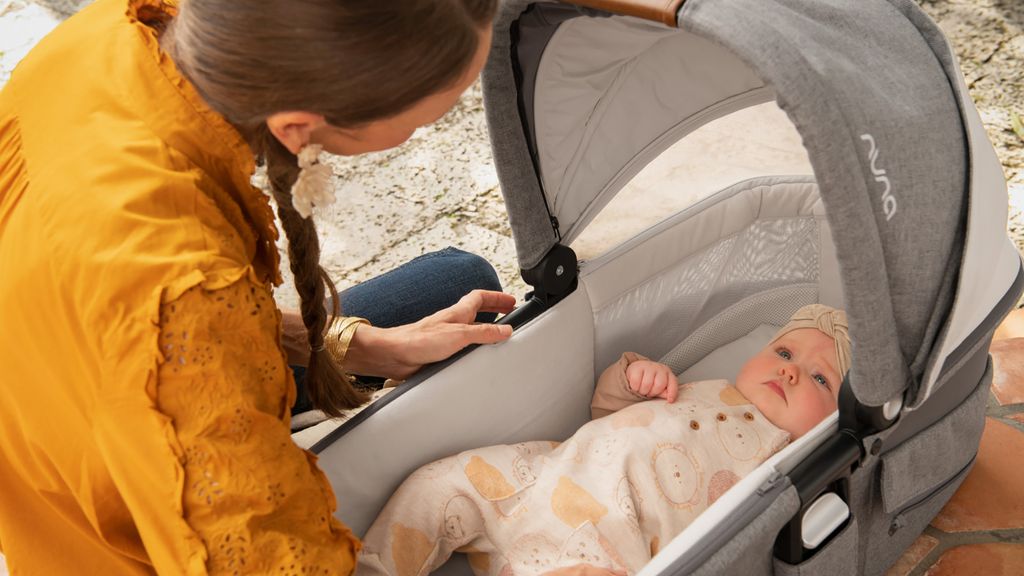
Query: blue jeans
x: 411, y: 292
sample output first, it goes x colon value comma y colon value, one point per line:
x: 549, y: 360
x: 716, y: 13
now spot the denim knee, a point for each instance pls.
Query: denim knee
x: 420, y: 287
x: 474, y: 273
x: 476, y: 270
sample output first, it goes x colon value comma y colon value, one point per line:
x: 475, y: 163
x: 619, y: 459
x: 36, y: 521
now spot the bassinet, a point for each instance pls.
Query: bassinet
x: 902, y: 224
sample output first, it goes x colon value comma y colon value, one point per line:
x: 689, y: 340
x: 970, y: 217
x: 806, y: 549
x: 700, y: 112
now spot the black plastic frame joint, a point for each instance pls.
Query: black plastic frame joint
x: 554, y: 277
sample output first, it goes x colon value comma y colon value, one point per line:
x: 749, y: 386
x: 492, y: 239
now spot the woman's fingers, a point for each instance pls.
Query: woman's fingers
x: 466, y: 309
x: 433, y: 343
x: 485, y: 333
x: 491, y: 301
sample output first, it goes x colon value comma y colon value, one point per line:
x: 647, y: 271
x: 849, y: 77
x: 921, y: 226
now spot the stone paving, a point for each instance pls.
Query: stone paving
x: 440, y: 189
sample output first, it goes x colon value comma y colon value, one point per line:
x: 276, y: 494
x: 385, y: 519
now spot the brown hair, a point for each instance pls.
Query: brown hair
x: 352, y: 61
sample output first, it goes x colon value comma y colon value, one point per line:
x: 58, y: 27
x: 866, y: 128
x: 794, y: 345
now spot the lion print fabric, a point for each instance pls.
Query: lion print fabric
x: 610, y: 496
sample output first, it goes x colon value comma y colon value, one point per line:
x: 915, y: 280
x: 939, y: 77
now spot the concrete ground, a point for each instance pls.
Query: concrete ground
x: 440, y: 189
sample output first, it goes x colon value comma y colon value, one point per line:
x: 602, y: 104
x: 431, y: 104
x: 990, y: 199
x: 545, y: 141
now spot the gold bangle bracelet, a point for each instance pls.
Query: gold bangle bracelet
x: 339, y: 336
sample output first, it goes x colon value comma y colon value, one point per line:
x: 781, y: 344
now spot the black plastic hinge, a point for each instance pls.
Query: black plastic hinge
x: 555, y: 276
x: 860, y: 419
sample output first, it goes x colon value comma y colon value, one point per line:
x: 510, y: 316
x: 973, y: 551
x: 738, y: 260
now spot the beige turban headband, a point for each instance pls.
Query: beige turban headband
x: 828, y: 320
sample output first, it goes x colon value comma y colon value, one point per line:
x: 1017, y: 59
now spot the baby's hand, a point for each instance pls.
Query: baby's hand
x: 652, y: 379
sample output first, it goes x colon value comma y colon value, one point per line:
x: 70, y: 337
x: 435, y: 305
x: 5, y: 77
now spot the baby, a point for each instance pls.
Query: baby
x: 656, y: 455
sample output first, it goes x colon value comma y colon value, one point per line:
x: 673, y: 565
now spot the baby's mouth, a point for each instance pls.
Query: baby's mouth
x: 777, y: 388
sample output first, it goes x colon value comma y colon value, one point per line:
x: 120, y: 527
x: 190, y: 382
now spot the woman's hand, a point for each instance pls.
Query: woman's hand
x: 401, y: 351
x: 652, y: 380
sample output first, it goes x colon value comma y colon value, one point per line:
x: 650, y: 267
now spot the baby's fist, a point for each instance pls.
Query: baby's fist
x: 652, y: 380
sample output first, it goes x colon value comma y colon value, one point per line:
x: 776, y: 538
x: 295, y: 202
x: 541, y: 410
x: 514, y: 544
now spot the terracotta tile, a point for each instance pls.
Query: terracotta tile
x: 990, y: 498
x: 1008, y: 370
x: 912, y: 557
x: 989, y: 559
x: 1011, y: 327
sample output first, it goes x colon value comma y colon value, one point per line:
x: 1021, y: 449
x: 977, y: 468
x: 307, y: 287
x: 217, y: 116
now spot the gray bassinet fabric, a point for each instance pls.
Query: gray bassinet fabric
x: 878, y: 118
x: 875, y: 107
x: 735, y: 556
x: 531, y: 225
x: 595, y: 77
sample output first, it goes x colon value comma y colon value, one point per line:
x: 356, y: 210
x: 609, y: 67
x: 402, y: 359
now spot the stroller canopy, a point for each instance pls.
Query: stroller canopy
x: 579, y: 100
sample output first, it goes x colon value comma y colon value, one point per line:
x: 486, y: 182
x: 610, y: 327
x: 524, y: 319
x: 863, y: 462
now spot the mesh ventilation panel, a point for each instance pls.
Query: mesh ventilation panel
x: 759, y: 275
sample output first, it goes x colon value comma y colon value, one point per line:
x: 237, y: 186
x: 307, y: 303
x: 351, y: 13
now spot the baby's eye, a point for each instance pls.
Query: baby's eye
x: 822, y: 380
x: 784, y: 354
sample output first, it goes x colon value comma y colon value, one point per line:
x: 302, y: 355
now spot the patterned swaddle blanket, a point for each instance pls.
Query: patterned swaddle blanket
x: 610, y: 496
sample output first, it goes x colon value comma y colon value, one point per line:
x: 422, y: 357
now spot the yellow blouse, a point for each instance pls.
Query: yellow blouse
x: 145, y: 395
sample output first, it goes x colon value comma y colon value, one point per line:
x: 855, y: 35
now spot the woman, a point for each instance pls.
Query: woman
x: 146, y: 387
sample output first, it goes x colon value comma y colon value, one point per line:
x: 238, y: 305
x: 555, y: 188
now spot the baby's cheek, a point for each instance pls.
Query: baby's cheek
x: 830, y: 403
x: 742, y: 379
x: 746, y: 390
x: 815, y: 412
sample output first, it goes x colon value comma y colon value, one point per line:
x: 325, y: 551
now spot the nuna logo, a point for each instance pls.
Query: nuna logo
x: 888, y: 200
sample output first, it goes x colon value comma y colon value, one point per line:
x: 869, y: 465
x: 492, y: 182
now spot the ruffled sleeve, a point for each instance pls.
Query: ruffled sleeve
x: 256, y: 501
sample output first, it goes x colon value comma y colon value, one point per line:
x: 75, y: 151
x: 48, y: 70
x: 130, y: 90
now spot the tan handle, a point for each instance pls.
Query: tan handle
x: 663, y: 11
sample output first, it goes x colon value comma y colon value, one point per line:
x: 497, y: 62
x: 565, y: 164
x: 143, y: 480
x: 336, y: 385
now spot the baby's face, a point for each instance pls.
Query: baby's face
x: 793, y: 381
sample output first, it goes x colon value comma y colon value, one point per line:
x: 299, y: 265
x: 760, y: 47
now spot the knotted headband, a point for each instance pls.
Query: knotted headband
x: 828, y: 320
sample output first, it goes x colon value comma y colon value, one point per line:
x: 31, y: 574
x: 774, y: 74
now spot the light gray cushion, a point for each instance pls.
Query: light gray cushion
x: 725, y: 362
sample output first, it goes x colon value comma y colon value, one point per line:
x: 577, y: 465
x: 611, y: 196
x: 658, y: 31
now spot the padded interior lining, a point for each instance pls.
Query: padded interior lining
x: 536, y: 385
x: 725, y: 362
x: 749, y: 255
x: 750, y: 315
x: 699, y: 284
x: 589, y: 139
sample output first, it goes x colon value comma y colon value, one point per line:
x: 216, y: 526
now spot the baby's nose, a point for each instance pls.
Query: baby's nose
x: 788, y: 371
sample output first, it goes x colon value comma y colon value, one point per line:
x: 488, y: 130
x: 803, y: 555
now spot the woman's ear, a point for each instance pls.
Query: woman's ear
x: 293, y: 129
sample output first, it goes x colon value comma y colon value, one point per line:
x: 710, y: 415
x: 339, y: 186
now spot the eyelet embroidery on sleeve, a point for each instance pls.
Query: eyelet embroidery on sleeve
x: 275, y: 495
x: 300, y: 564
x: 230, y: 550
x: 249, y: 493
x: 239, y: 425
x: 207, y: 488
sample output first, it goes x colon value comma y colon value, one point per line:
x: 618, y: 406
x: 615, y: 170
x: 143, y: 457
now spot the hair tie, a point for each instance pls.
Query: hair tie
x: 313, y: 185
x: 317, y: 345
